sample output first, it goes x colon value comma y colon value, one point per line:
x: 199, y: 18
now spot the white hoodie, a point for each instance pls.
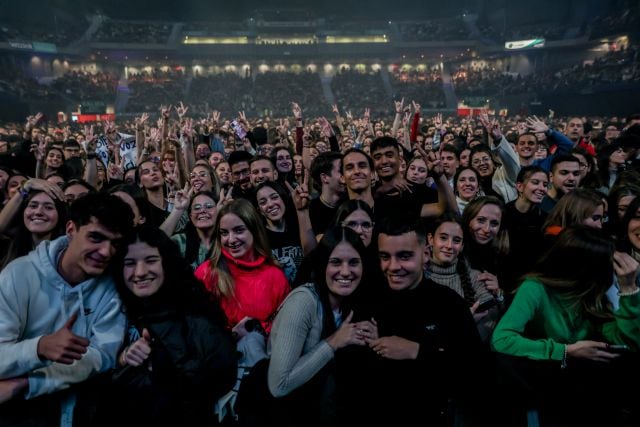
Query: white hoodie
x: 35, y: 301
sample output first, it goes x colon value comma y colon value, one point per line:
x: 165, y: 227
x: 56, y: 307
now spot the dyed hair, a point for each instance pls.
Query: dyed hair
x: 573, y: 208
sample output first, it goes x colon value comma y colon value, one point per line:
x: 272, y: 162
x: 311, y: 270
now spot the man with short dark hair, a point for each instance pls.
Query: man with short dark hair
x: 428, y: 348
x: 325, y: 171
x: 239, y: 161
x: 564, y: 178
x: 60, y: 315
x: 262, y: 170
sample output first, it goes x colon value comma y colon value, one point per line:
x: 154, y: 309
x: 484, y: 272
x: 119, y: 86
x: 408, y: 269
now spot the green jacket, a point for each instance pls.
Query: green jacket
x: 540, y: 322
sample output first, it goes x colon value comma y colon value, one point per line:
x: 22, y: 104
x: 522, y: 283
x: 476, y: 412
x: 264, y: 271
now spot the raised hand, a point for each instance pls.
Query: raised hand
x: 300, y: 194
x: 225, y: 198
x: 416, y: 107
x: 367, y: 115
x: 165, y: 112
x: 434, y: 164
x: 115, y: 170
x: 335, y: 110
x: 138, y: 352
x: 535, y: 125
x: 437, y: 121
x: 215, y: 116
x: 182, y: 198
x: 399, y: 106
x: 181, y: 110
x: 51, y: 190
x: 63, y: 346
x: 326, y: 127
x: 296, y: 110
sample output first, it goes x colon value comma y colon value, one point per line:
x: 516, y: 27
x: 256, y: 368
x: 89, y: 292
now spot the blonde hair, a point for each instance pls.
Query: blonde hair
x: 224, y: 284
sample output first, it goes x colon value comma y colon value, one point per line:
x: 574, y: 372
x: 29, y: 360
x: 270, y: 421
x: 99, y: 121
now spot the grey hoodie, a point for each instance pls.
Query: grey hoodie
x: 36, y: 301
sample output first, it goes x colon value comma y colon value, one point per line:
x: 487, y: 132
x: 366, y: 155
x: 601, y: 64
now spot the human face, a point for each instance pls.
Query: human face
x: 417, y: 172
x: 428, y: 143
x: 70, y: 152
x: 321, y: 146
x: 386, y: 162
x: 485, y: 226
x: 143, y: 272
x: 623, y: 204
x: 14, y: 184
x: 334, y: 180
x: 446, y: 243
x: 4, y: 176
x: 130, y: 177
x: 150, y: 175
x: 54, y: 159
x: 535, y: 188
x: 449, y: 163
x: 526, y: 146
x: 464, y: 158
x: 91, y: 247
x: 565, y: 177
x: 356, y: 172
x: 168, y: 163
x: 203, y: 212
x: 241, y: 175
x: 596, y: 218
x: 283, y: 161
x: 343, y: 273
x: 74, y: 192
x: 617, y: 158
x: 360, y: 222
x: 297, y: 164
x: 574, y: 129
x: 203, y: 151
x: 467, y: 185
x: 126, y: 197
x: 236, y: 237
x: 261, y: 171
x: 584, y: 165
x: 483, y: 164
x: 200, y: 179
x: 611, y: 133
x: 270, y: 204
x: 402, y: 260
x: 40, y: 216
x: 633, y: 230
x: 224, y: 173
x: 215, y: 158
x: 541, y: 152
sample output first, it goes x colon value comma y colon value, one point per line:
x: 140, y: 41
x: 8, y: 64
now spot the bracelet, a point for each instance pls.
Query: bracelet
x: 91, y: 156
x: 563, y: 365
x: 628, y: 294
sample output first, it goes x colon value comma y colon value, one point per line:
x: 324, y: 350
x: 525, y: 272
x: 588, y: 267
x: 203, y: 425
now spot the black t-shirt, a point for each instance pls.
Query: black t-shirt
x: 287, y: 250
x: 321, y: 215
x: 405, y: 203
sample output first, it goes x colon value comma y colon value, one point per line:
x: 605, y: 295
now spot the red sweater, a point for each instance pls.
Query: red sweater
x: 259, y: 289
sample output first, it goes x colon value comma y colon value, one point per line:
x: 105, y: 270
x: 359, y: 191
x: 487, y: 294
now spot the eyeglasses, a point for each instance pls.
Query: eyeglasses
x: 480, y: 161
x: 364, y: 225
x: 238, y: 174
x: 201, y: 174
x: 198, y: 207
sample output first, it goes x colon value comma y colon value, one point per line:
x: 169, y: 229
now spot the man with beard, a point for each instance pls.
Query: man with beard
x: 564, y: 178
x: 240, y: 174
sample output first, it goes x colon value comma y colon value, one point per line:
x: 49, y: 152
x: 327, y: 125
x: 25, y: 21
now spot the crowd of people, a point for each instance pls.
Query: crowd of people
x: 306, y: 271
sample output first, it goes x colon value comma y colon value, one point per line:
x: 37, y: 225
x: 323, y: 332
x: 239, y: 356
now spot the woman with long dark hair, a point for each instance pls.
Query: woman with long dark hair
x: 178, y: 360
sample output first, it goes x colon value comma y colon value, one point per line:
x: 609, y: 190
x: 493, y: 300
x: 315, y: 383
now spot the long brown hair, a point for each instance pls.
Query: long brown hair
x: 243, y: 209
x: 580, y: 267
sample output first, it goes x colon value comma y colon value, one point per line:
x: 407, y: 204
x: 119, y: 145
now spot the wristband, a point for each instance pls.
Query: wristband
x: 91, y: 156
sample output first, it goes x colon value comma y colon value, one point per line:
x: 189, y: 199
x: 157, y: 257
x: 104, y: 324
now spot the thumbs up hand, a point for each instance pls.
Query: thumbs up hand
x: 63, y: 346
x: 138, y: 352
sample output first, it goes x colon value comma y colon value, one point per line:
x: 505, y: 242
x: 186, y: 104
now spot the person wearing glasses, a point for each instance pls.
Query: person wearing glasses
x: 203, y: 178
x: 196, y: 240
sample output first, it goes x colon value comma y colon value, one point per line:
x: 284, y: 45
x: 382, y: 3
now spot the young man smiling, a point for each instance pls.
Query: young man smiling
x: 427, y: 341
x: 60, y: 315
